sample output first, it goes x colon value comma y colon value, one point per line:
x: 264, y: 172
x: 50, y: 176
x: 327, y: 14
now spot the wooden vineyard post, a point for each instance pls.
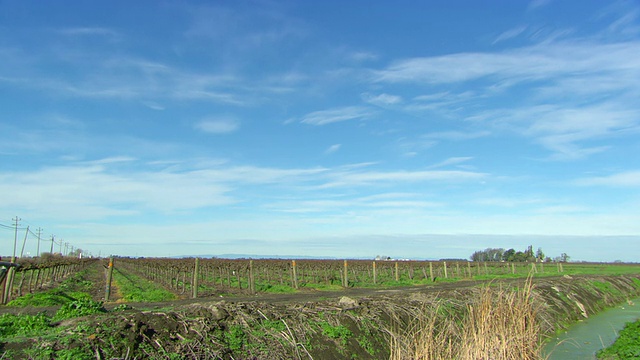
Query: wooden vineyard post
x: 513, y: 268
x: 194, y: 282
x: 345, y: 278
x: 107, y: 292
x: 252, y: 282
x: 294, y: 277
x: 431, y: 270
x: 469, y: 267
x: 445, y: 269
x: 485, y: 268
x: 375, y: 279
x: 397, y: 274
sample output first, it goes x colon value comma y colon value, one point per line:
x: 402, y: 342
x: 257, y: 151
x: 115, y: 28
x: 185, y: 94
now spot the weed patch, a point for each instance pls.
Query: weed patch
x: 627, y: 346
x: 136, y: 289
x: 277, y: 289
x: 79, y: 308
x: 49, y: 298
x: 339, y: 332
x: 23, y: 325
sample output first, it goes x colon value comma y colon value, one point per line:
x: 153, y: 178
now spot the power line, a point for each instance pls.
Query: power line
x: 16, y: 226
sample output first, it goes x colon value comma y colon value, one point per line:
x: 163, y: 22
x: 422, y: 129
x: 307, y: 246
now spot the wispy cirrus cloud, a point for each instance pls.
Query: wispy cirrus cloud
x: 333, y: 148
x: 452, y: 161
x: 622, y: 179
x: 330, y: 116
x: 101, y: 189
x: 568, y: 131
x: 456, y: 135
x: 382, y: 99
x: 218, y: 125
x: 377, y: 178
x: 574, y: 95
x: 510, y: 34
x: 90, y: 31
x: 525, y: 64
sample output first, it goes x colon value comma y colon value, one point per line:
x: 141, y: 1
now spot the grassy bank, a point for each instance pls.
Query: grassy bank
x: 627, y: 346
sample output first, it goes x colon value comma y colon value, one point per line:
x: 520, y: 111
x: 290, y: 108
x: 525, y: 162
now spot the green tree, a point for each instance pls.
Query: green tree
x: 488, y: 254
x: 508, y: 255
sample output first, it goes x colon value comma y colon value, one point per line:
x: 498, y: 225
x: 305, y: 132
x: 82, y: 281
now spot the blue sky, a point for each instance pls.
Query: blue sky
x: 323, y: 128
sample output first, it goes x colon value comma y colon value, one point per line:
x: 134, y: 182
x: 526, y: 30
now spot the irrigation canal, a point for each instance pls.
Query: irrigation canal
x: 582, y: 340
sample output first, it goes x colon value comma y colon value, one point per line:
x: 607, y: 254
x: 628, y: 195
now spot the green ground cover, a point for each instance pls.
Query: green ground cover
x: 136, y: 289
x: 627, y: 346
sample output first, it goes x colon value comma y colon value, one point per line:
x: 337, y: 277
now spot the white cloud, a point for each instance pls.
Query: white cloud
x: 570, y: 94
x: 562, y: 129
x: 330, y: 116
x: 90, y: 31
x: 456, y: 135
x: 333, y: 148
x: 382, y: 99
x: 534, y: 4
x: 349, y: 178
x: 153, y: 105
x: 218, y: 126
x: 536, y: 62
x: 361, y: 56
x: 622, y: 179
x: 510, y: 34
x: 452, y: 161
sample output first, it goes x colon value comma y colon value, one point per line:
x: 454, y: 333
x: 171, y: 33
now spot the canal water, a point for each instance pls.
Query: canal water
x: 582, y: 340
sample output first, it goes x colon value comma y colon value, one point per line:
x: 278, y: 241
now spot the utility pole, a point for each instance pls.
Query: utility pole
x: 52, y: 237
x: 15, y: 239
x: 26, y: 234
x: 61, y: 246
x: 38, y: 248
x: 8, y: 285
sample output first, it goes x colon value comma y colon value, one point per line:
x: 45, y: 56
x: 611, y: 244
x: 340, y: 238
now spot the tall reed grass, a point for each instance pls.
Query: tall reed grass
x: 498, y: 324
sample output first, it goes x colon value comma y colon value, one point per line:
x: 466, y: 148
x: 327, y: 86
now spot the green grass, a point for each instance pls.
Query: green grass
x: 339, y: 332
x: 606, y: 287
x: 135, y: 289
x: 23, y: 325
x: 235, y: 337
x: 79, y: 308
x: 627, y: 346
x: 51, y: 297
x: 275, y: 289
x: 12, y: 326
x: 73, y: 288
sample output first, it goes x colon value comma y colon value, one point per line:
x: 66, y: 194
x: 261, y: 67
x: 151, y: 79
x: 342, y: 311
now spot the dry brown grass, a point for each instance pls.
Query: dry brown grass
x: 497, y: 324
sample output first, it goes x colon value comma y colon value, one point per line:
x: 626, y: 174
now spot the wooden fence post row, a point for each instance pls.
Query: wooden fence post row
x: 202, y: 277
x: 34, y: 275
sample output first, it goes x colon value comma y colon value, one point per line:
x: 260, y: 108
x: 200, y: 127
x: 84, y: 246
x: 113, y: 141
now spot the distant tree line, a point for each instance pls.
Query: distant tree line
x: 511, y: 255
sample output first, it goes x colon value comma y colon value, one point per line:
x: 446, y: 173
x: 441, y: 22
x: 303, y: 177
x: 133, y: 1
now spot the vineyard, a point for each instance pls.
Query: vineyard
x: 197, y: 308
x: 34, y: 275
x: 196, y: 277
x: 205, y: 277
